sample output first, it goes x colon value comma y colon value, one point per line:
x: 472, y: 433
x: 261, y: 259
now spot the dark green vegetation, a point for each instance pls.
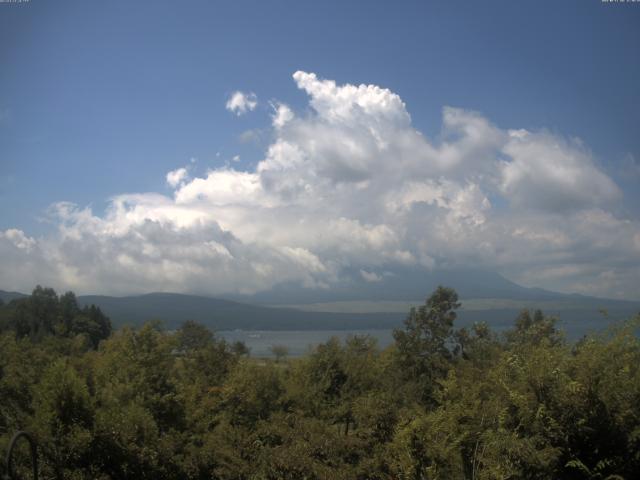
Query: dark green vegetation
x: 219, y: 314
x: 45, y: 314
x: 442, y: 402
x: 578, y: 314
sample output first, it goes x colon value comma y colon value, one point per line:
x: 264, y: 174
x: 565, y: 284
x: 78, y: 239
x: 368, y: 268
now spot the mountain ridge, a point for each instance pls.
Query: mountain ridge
x: 489, y: 297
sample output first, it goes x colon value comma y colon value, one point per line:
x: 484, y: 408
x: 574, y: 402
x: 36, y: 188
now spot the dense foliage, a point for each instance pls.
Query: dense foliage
x: 440, y: 403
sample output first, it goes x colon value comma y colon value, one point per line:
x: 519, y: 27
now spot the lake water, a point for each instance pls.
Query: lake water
x: 299, y: 342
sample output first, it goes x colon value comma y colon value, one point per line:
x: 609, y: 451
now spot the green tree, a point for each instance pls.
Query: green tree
x: 279, y: 351
x: 63, y: 420
x: 240, y: 349
x: 424, y: 346
x: 193, y: 336
x: 68, y: 309
x: 45, y: 314
x: 251, y: 393
x: 534, y: 329
x: 136, y: 366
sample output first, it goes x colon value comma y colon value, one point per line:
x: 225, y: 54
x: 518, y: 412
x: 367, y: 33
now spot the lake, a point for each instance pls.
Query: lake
x: 575, y: 324
x: 299, y: 342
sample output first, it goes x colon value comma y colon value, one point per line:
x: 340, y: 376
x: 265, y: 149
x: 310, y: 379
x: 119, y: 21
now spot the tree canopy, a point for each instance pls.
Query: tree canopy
x: 440, y: 403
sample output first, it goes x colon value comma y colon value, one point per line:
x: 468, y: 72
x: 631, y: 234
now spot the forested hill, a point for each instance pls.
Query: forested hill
x: 6, y: 297
x: 218, y: 314
x: 173, y: 309
x: 578, y: 315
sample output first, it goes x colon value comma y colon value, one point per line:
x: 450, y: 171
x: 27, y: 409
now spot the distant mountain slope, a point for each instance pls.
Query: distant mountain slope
x: 351, y: 305
x: 6, y: 297
x: 218, y: 314
x: 578, y: 315
x: 405, y: 284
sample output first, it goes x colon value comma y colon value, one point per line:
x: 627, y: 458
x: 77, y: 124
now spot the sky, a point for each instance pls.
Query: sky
x: 228, y: 147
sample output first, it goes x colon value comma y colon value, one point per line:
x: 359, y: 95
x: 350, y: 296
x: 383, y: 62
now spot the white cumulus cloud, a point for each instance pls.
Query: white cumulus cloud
x: 176, y: 177
x: 547, y: 172
x: 240, y: 103
x: 349, y: 185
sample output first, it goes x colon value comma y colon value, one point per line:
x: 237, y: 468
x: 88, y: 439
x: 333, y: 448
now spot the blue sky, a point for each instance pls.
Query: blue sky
x: 100, y: 99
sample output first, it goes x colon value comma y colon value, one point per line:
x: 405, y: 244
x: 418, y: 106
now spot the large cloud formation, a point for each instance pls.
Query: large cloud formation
x: 351, y: 185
